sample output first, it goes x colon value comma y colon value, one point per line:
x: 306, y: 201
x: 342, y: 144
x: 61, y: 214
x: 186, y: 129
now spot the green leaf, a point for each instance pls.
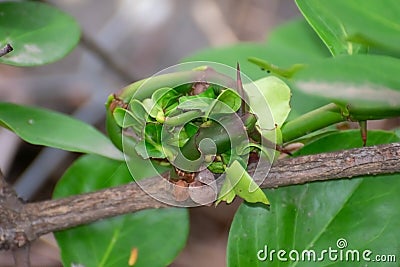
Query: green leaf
x: 151, y: 107
x: 228, y: 101
x: 364, y: 211
x: 39, y: 33
x: 276, y: 94
x: 164, y: 96
x: 294, y: 42
x: 48, y: 128
x: 196, y: 102
x: 342, y: 23
x: 366, y: 85
x: 109, y: 242
x: 135, y: 118
x: 124, y: 118
x: 147, y: 150
x: 239, y: 182
x: 270, y: 101
x: 227, y: 193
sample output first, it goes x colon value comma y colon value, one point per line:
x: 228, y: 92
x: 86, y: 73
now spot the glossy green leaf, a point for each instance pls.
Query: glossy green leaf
x: 195, y: 103
x: 348, y: 27
x: 294, y: 42
x: 160, y: 232
x: 38, y: 32
x: 316, y: 216
x: 366, y: 85
x: 165, y: 96
x: 151, y: 107
x: 226, y: 193
x: 276, y: 95
x: 147, y: 150
x: 270, y: 101
x: 228, y: 101
x: 48, y: 128
x: 125, y: 118
x: 239, y: 182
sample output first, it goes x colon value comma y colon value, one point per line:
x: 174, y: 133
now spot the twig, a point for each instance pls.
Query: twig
x: 10, y: 208
x: 374, y: 160
x: 36, y: 219
x: 107, y: 58
x: 6, y: 49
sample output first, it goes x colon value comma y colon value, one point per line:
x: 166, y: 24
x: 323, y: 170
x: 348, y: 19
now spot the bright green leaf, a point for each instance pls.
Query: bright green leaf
x: 363, y: 211
x: 151, y: 107
x: 226, y: 193
x: 164, y: 97
x: 146, y: 150
x: 195, y: 103
x: 109, y: 242
x: 366, y: 85
x: 276, y: 95
x: 228, y: 101
x: 135, y: 118
x: 38, y: 32
x: 368, y: 22
x: 270, y: 101
x: 48, y: 128
x: 239, y: 182
x: 124, y: 118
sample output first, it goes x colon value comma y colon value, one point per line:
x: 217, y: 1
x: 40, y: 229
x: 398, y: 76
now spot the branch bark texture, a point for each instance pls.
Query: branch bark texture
x: 22, y: 223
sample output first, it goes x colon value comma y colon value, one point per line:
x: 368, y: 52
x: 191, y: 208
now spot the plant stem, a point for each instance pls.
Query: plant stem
x: 312, y: 121
x: 5, y: 50
x: 32, y: 220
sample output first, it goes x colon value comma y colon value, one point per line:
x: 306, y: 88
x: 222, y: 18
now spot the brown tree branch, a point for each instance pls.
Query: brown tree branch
x: 23, y: 223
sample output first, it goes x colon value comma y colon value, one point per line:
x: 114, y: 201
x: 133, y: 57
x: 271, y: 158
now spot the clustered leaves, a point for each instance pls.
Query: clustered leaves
x: 172, y: 125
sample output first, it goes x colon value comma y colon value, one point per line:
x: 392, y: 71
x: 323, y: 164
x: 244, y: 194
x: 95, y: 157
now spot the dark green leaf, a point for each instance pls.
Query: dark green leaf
x: 366, y: 85
x: 363, y: 211
x: 368, y: 22
x: 39, y: 33
x: 45, y: 127
x: 158, y: 235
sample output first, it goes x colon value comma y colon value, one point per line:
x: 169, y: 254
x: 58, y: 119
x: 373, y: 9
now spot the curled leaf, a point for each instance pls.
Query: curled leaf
x: 239, y: 182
